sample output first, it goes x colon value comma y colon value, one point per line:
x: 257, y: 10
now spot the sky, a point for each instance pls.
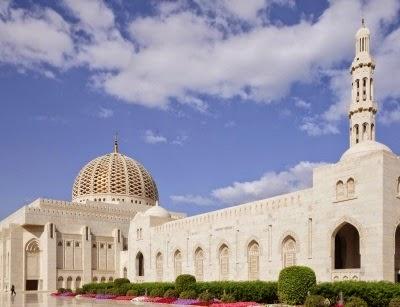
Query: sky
x: 222, y: 101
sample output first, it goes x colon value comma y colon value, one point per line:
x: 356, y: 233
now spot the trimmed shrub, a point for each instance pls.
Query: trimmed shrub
x: 314, y: 301
x: 157, y: 292
x: 121, y: 281
x: 68, y: 290
x: 171, y: 293
x: 101, y: 291
x: 185, y: 282
x: 132, y: 293
x: 188, y: 294
x: 227, y: 298
x: 294, y: 284
x: 61, y: 290
x: 205, y: 297
x: 356, y: 302
x: 395, y: 302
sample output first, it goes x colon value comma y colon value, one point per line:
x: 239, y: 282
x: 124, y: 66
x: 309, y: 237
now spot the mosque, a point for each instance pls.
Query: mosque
x: 345, y: 227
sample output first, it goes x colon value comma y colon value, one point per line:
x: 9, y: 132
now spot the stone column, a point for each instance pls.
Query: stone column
x: 86, y: 255
x: 48, y: 253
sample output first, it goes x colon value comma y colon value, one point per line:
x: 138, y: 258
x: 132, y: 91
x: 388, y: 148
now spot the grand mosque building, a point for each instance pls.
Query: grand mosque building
x: 345, y: 226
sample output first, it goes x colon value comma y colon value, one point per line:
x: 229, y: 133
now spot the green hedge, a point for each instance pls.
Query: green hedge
x: 376, y: 294
x: 249, y: 291
x: 185, y: 282
x: 294, y: 284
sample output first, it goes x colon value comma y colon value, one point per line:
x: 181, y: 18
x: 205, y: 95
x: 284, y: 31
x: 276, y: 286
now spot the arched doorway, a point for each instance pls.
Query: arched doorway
x: 159, y: 266
x: 69, y: 283
x: 60, y: 282
x: 289, y: 251
x: 224, y: 262
x: 32, y: 265
x: 347, y: 247
x: 78, y: 282
x: 178, y: 263
x: 397, y: 254
x: 253, y: 259
x: 139, y: 264
x: 198, y: 264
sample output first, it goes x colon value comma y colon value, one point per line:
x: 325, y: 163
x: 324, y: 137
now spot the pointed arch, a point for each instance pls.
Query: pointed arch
x: 224, y: 262
x: 125, y: 272
x: 78, y: 282
x: 178, y: 263
x: 69, y: 283
x: 351, y: 188
x: 32, y: 265
x: 398, y: 186
x: 346, y: 247
x: 159, y: 266
x: 289, y: 251
x: 199, y: 264
x: 340, y: 192
x: 253, y: 260
x: 60, y: 282
x: 139, y: 264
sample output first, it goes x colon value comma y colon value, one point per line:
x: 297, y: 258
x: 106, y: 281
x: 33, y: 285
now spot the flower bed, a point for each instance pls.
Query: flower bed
x: 105, y: 296
x: 124, y: 298
x: 237, y: 304
x: 181, y: 301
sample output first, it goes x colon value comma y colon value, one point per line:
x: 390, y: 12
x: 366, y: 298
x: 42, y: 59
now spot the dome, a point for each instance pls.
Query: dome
x: 363, y: 148
x: 157, y: 211
x: 115, y: 178
x: 363, y: 31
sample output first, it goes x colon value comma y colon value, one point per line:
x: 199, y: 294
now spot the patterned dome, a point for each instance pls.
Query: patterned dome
x: 115, y: 178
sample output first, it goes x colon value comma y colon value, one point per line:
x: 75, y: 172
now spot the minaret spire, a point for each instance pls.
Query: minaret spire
x: 363, y: 107
x: 116, y: 143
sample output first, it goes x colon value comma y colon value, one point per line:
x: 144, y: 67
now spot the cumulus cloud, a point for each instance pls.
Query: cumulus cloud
x: 300, y: 103
x: 270, y: 184
x: 225, y: 50
x: 151, y: 137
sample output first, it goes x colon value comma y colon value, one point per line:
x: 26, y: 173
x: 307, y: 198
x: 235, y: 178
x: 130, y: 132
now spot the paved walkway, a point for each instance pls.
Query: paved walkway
x: 46, y: 300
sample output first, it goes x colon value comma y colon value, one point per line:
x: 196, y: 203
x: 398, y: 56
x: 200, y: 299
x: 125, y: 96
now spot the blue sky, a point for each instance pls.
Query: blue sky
x: 223, y: 102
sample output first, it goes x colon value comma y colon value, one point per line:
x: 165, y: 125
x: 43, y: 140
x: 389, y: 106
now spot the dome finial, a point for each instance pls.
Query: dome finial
x: 362, y: 22
x: 116, y: 142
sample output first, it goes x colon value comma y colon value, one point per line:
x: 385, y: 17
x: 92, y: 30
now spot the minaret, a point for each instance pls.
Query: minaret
x: 363, y: 108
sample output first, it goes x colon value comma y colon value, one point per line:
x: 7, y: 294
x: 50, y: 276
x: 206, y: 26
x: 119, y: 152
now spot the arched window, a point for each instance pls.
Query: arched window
x: 365, y: 132
x: 397, y: 253
x: 371, y: 89
x: 110, y: 279
x: 198, y: 264
x: 364, y: 88
x: 159, y: 266
x: 78, y: 282
x: 358, y: 89
x: 32, y: 265
x: 351, y: 188
x: 178, y: 263
x: 139, y: 264
x: 347, y: 247
x: 340, y: 193
x: 69, y: 283
x: 95, y: 279
x: 224, y: 262
x: 253, y: 259
x: 60, y: 282
x: 357, y: 133
x: 289, y: 250
x: 103, y: 279
x: 125, y: 272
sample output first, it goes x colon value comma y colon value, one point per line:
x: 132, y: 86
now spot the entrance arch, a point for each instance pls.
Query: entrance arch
x: 346, y: 240
x: 32, y: 265
x: 139, y: 264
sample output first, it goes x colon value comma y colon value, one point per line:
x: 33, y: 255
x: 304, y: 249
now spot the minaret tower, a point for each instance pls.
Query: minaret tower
x: 363, y: 108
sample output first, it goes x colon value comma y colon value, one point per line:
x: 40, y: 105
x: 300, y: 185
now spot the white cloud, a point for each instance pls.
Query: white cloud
x: 300, y: 103
x: 179, y: 55
x: 388, y: 117
x: 105, y: 113
x: 270, y: 184
x: 151, y: 137
x: 192, y: 200
x: 315, y: 126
